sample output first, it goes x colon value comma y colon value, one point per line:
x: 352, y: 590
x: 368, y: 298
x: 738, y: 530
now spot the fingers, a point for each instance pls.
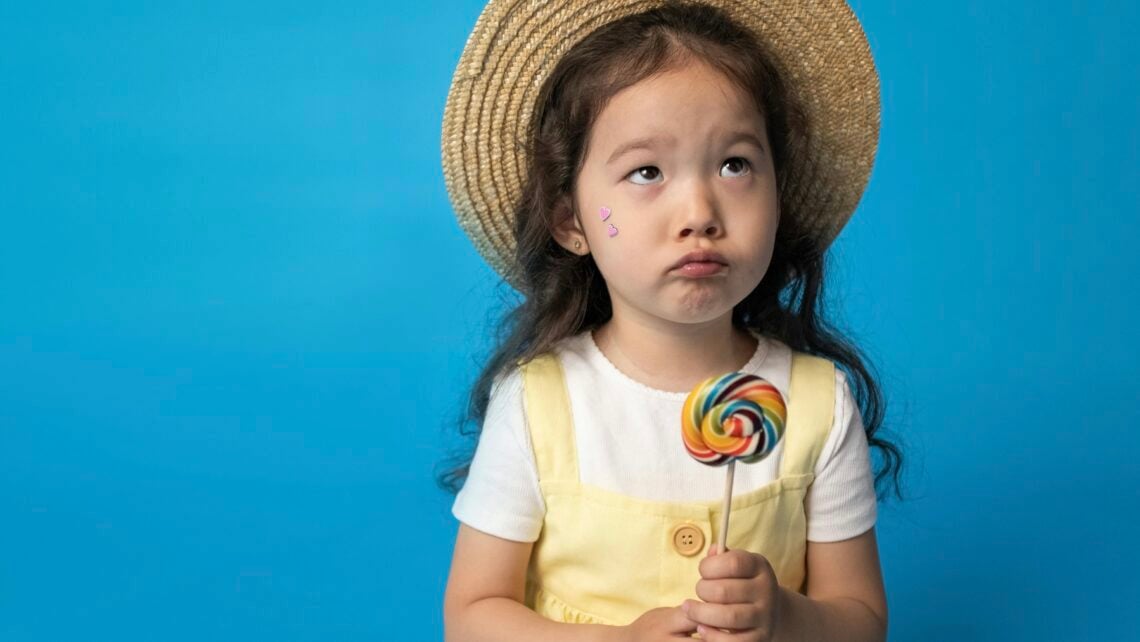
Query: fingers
x: 724, y: 616
x: 732, y: 564
x: 724, y: 635
x: 732, y: 591
x: 664, y: 620
x: 678, y: 622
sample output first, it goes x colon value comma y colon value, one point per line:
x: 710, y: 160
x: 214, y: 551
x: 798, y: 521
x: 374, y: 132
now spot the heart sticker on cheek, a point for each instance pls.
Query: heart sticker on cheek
x: 611, y: 230
x: 606, y: 214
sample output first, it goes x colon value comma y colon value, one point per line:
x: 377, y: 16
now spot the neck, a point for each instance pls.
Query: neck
x: 674, y: 357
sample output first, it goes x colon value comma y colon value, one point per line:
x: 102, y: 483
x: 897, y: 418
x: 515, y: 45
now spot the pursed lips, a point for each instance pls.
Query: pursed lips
x: 700, y: 256
x: 700, y: 263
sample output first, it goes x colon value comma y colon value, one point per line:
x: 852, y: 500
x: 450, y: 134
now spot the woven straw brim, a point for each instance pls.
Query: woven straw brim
x: 820, y: 50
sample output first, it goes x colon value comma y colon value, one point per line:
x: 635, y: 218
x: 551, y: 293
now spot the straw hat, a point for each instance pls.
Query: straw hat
x: 819, y: 48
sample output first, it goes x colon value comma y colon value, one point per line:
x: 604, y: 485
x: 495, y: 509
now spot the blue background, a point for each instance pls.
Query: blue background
x: 237, y: 318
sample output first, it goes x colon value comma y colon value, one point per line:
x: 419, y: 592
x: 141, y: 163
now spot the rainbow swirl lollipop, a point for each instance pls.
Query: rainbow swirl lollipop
x: 733, y: 416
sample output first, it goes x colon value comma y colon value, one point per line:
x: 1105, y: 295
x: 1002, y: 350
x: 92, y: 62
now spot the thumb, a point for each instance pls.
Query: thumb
x: 679, y: 622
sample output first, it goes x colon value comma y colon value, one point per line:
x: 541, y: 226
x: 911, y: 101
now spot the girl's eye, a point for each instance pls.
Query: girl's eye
x: 645, y: 175
x: 736, y: 166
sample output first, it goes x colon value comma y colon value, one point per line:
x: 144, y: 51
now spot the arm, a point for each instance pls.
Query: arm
x: 484, y: 597
x: 486, y: 586
x: 845, y: 596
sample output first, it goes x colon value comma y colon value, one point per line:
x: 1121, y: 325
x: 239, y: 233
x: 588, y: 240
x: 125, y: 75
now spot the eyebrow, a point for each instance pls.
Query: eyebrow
x: 651, y: 142
x: 746, y: 137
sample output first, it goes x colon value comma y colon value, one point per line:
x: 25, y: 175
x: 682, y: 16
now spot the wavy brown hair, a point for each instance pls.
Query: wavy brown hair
x: 564, y: 294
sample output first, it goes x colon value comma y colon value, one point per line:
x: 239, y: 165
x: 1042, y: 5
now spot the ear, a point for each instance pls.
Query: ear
x: 568, y: 228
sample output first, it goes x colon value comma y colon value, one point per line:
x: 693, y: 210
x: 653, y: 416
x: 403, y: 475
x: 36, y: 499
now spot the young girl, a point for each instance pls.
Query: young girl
x: 660, y: 182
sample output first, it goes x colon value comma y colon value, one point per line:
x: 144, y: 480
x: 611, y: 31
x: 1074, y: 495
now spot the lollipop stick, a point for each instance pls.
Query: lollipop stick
x: 727, y: 506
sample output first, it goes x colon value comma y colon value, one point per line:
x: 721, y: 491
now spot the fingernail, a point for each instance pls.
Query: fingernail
x: 685, y: 606
x: 702, y: 629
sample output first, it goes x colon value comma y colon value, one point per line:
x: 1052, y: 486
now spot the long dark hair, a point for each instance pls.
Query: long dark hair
x: 564, y: 294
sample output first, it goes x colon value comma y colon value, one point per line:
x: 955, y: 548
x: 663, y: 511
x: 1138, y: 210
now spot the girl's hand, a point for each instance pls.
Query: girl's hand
x: 665, y: 623
x: 742, y: 600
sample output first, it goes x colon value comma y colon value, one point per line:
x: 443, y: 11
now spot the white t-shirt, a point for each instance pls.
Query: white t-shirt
x: 629, y: 441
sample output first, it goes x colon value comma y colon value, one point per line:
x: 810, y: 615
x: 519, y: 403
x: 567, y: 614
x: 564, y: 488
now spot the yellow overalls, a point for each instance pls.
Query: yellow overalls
x: 607, y: 558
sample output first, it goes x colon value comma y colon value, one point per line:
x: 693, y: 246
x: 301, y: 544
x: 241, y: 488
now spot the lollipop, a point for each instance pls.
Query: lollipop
x: 730, y: 417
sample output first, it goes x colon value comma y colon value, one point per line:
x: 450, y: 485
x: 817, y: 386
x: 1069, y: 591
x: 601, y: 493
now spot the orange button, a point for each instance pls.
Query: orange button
x: 688, y: 540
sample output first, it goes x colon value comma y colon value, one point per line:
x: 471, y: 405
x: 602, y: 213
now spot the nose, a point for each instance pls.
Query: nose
x: 701, y: 212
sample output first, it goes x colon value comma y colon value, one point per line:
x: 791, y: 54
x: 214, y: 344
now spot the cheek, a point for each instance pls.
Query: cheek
x: 604, y: 235
x: 608, y: 224
x: 764, y: 257
x: 618, y: 260
x: 595, y: 203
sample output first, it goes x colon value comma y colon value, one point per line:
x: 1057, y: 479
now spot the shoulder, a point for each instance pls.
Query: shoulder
x: 828, y: 379
x: 832, y: 375
x: 573, y: 354
x: 508, y: 388
x: 780, y: 354
x: 500, y: 495
x: 774, y: 361
x: 841, y: 500
x: 847, y: 436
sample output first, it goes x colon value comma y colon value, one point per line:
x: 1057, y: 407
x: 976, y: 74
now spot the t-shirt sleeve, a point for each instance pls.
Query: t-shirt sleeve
x: 501, y: 495
x: 841, y: 503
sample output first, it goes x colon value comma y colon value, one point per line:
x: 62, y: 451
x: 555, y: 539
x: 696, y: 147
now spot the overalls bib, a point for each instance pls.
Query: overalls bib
x: 607, y: 558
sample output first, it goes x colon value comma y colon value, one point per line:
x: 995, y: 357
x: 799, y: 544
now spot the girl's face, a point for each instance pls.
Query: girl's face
x: 682, y: 162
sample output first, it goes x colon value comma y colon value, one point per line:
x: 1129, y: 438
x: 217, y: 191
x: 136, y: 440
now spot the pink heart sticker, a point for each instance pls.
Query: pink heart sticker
x: 612, y: 231
x: 606, y: 214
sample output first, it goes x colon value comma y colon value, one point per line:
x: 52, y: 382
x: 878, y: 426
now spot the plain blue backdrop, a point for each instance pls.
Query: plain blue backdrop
x: 237, y: 318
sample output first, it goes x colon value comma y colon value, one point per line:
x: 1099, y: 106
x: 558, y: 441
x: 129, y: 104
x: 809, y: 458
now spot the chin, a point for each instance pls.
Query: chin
x: 689, y: 316
x: 701, y: 305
